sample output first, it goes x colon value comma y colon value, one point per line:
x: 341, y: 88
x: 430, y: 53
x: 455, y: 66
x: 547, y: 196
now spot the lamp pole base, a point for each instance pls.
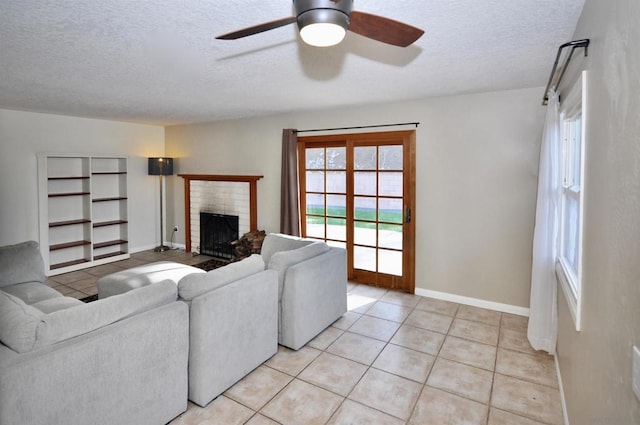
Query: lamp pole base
x: 161, y: 248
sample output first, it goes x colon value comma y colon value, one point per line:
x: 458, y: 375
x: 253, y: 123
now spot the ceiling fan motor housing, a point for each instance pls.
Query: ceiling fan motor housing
x: 323, y: 11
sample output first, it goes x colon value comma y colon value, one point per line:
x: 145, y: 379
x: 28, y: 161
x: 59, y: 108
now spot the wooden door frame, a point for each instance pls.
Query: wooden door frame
x: 408, y: 141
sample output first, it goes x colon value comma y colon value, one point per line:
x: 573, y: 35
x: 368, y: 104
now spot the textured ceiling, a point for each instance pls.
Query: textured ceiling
x: 156, y: 61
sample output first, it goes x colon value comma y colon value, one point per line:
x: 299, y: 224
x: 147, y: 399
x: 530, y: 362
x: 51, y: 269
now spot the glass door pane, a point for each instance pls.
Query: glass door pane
x: 378, y: 189
x: 326, y: 194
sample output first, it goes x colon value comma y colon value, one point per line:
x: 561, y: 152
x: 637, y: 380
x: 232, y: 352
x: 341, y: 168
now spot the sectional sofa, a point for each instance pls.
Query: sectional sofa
x: 154, y: 340
x: 122, y: 360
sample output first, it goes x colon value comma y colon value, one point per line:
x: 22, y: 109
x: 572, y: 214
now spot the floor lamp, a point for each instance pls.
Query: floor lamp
x: 161, y: 167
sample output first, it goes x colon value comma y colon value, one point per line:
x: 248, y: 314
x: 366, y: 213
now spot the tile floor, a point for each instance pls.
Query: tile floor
x: 394, y: 358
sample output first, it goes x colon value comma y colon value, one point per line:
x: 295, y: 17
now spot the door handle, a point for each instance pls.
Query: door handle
x: 407, y: 214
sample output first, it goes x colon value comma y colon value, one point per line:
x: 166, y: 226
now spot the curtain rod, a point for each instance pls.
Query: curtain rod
x: 574, y: 45
x: 358, y: 127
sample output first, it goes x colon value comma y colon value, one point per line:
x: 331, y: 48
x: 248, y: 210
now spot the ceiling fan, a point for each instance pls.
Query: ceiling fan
x: 325, y: 22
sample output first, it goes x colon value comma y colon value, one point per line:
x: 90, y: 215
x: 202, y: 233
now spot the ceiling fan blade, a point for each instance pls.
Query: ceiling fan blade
x: 383, y: 29
x: 256, y: 29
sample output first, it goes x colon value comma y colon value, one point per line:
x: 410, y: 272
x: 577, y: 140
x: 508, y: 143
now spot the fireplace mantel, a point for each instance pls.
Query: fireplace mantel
x: 221, y: 177
x: 253, y: 197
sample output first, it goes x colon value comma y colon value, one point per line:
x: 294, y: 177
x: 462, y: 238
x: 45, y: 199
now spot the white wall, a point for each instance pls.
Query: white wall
x: 595, y: 363
x: 24, y: 134
x: 477, y: 158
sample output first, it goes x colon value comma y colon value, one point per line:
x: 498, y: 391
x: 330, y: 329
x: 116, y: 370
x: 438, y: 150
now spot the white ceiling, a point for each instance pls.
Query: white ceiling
x: 156, y: 61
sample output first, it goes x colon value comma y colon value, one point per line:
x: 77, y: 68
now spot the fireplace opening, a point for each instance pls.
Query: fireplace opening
x: 217, y: 231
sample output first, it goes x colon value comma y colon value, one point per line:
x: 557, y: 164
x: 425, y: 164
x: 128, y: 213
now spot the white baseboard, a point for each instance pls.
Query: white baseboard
x: 476, y: 302
x: 150, y: 247
x: 563, y: 402
x: 141, y: 248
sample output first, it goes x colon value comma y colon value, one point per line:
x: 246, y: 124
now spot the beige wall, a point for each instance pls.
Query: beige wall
x: 25, y: 134
x: 595, y: 363
x: 477, y: 159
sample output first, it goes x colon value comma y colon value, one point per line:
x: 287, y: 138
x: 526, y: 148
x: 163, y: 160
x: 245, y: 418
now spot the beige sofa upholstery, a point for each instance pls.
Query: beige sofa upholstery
x: 137, y: 277
x: 233, y: 324
x: 312, y: 286
x: 120, y: 360
x: 233, y: 317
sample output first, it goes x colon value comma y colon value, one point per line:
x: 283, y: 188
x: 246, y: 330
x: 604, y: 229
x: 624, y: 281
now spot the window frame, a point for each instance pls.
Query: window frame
x: 570, y: 277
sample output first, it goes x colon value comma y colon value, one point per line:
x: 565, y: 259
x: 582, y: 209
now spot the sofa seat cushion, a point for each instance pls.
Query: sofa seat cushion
x: 137, y: 277
x: 194, y: 285
x: 32, y: 292
x: 18, y: 323
x: 282, y: 260
x: 21, y: 263
x: 276, y: 242
x: 57, y: 303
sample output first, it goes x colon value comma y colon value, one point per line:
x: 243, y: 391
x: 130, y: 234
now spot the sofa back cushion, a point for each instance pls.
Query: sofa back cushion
x: 282, y: 260
x: 74, y: 321
x: 24, y: 327
x: 197, y: 284
x: 276, y: 242
x: 21, y: 263
x: 18, y: 323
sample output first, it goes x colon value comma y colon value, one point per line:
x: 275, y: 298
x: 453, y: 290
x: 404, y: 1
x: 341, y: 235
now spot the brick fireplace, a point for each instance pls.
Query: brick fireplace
x: 219, y: 194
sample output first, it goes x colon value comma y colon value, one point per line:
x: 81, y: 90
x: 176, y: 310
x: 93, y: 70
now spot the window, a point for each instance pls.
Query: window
x: 572, y: 119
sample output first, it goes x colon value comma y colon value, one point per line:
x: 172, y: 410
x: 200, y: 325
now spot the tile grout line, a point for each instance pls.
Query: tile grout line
x: 493, y: 375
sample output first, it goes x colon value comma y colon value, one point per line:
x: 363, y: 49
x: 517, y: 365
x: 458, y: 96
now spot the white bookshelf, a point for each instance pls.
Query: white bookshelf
x: 83, y: 206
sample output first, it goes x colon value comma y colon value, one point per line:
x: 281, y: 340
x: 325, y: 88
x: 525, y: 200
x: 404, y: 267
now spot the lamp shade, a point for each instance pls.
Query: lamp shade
x: 160, y: 166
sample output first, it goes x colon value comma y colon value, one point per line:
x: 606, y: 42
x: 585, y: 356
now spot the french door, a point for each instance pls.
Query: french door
x: 358, y: 192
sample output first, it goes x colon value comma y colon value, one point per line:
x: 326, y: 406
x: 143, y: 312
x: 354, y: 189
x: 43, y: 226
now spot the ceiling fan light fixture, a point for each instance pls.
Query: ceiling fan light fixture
x: 323, y: 27
x: 322, y: 34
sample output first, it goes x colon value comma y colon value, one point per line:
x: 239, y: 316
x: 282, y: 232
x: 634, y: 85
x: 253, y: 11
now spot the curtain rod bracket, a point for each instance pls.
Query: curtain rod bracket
x: 575, y: 44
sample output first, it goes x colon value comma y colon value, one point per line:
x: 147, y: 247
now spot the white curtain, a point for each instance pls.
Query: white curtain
x: 543, y: 311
